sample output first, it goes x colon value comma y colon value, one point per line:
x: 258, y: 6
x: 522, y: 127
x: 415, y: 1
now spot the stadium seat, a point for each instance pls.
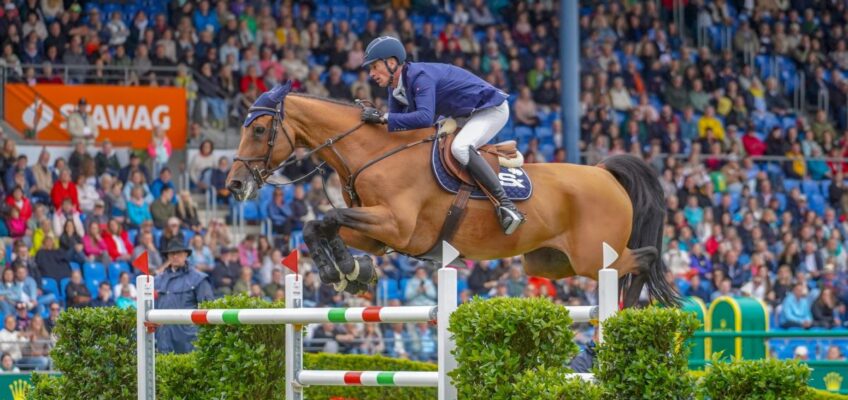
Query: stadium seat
x: 49, y: 285
x: 115, y: 270
x: 789, y: 184
x: 817, y: 203
x: 62, y: 285
x: 524, y: 133
x: 75, y: 266
x: 94, y: 271
x: 810, y: 187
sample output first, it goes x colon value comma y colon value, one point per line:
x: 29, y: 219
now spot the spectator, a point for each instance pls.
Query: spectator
x: 201, y: 257
x: 201, y: 165
x: 187, y: 212
x: 826, y: 310
x: 227, y: 269
x: 65, y: 214
x: 138, y: 180
x: 94, y: 246
x: 10, y: 342
x: 76, y: 292
x: 398, y: 341
x: 796, y: 309
x: 146, y: 244
x: 124, y: 284
x: 525, y: 109
x: 179, y: 287
x: 104, y: 296
x: 20, y: 202
x: 138, y: 208
x: 88, y: 194
x: 117, y: 241
x: 64, y: 189
x: 420, y: 290
x: 81, y: 125
x: 163, y: 209
x: 129, y: 170
x: 159, y: 149
x: 164, y: 180
x: 219, y: 179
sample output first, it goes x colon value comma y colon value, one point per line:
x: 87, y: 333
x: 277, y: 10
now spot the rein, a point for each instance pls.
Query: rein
x: 261, y: 173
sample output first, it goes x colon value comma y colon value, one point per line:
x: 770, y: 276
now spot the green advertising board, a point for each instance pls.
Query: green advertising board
x: 737, y: 314
x: 14, y: 386
x: 697, y: 345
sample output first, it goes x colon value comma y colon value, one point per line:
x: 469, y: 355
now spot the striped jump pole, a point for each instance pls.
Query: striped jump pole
x: 297, y: 378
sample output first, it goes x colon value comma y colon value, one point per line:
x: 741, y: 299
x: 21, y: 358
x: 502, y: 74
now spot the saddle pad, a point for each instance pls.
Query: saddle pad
x: 515, y: 181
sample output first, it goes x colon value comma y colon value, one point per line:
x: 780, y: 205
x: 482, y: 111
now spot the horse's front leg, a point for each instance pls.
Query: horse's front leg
x: 369, y: 226
x: 335, y: 263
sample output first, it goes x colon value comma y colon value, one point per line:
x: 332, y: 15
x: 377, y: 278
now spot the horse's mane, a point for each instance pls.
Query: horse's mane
x: 327, y: 99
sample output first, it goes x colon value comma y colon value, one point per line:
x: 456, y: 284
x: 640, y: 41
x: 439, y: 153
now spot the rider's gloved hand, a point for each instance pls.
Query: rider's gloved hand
x: 373, y: 116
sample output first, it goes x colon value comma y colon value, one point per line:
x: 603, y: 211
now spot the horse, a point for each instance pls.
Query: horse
x: 395, y: 204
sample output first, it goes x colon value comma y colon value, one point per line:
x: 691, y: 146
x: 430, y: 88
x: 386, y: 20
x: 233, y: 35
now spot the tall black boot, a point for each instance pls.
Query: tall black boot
x: 509, y: 216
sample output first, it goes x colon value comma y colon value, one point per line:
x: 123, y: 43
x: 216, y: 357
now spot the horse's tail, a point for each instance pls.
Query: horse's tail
x: 642, y: 185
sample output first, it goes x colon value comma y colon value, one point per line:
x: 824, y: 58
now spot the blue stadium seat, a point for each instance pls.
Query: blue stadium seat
x: 547, y: 151
x: 115, y: 270
x: 131, y: 235
x: 810, y: 187
x: 75, y: 266
x: 62, y: 285
x: 524, y: 133
x: 94, y: 271
x: 544, y: 131
x: 340, y: 12
x: 781, y: 198
x: 322, y: 14
x: 188, y: 234
x: 49, y: 285
x: 439, y: 23
x: 825, y: 188
x: 789, y: 184
x: 817, y: 203
x: 157, y: 235
x: 250, y: 211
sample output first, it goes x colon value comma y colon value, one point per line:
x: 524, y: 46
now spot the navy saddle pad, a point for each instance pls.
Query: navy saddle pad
x: 515, y: 181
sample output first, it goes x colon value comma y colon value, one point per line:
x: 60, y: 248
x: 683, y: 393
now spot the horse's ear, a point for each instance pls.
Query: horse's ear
x: 279, y: 92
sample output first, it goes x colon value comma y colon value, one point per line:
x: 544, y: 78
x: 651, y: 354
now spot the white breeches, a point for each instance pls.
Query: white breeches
x: 479, y: 129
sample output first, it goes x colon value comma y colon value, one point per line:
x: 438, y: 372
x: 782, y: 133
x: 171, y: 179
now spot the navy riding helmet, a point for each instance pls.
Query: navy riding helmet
x: 382, y: 48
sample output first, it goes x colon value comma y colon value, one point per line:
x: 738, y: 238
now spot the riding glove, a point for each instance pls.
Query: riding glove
x: 373, y: 115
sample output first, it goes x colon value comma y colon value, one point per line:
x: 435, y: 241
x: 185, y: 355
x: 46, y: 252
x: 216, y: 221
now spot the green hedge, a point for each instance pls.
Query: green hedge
x: 497, y: 340
x: 644, y: 355
x: 96, y: 353
x: 756, y: 380
x: 549, y: 384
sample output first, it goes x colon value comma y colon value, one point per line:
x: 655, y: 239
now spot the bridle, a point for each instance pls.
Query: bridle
x: 262, y: 172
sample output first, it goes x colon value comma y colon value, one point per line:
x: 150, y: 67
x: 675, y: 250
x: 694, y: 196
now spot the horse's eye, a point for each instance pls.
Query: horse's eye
x: 258, y: 130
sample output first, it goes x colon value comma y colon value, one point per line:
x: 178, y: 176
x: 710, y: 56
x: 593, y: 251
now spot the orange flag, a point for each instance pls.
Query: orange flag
x: 141, y: 263
x: 290, y: 261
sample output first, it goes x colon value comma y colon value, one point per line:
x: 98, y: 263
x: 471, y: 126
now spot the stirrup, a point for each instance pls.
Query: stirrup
x: 510, y: 219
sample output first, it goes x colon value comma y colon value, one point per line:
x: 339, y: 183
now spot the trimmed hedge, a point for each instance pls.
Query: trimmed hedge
x: 497, y: 340
x: 550, y: 384
x: 644, y: 355
x: 756, y: 380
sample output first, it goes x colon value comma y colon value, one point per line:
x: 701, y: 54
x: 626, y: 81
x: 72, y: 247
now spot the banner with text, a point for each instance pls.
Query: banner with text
x: 123, y: 114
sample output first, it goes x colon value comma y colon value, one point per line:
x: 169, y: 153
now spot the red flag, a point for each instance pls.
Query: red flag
x: 141, y: 263
x: 290, y: 261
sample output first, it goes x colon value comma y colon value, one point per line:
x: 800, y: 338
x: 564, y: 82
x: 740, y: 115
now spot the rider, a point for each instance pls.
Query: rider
x: 419, y: 92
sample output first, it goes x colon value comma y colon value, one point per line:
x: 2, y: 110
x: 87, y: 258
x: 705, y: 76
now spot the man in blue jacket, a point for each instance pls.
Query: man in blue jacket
x: 420, y: 92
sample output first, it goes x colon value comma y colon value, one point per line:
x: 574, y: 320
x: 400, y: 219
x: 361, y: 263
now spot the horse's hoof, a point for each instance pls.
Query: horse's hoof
x: 367, y: 272
x: 328, y: 274
x: 356, y: 288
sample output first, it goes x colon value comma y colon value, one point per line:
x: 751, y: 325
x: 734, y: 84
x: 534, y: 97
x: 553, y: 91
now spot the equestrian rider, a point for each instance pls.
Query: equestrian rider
x: 420, y: 92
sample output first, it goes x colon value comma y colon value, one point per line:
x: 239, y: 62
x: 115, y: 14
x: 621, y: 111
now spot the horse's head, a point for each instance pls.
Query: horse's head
x: 265, y: 143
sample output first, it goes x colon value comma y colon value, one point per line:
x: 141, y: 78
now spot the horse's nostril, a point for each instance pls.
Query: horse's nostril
x: 235, y: 185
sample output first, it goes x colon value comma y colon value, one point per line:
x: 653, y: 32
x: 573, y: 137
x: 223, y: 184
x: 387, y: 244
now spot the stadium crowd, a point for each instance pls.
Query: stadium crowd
x: 753, y: 208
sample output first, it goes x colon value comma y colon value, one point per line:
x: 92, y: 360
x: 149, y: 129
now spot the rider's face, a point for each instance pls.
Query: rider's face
x: 378, y: 72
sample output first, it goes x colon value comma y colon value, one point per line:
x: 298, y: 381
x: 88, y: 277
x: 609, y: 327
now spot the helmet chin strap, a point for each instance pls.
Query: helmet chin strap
x: 391, y: 71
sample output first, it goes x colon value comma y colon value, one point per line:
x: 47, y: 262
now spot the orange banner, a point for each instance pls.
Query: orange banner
x: 122, y: 114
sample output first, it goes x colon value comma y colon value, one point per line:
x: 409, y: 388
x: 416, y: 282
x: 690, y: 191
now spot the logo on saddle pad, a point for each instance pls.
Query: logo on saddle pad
x: 512, y: 178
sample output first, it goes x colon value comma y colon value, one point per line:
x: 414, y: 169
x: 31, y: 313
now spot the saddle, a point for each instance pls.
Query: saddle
x: 504, y: 154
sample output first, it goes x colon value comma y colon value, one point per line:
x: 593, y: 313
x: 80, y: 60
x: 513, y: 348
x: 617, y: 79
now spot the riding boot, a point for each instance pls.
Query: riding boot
x: 508, y: 215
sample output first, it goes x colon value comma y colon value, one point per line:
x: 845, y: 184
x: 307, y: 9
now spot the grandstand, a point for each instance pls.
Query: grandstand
x: 740, y: 106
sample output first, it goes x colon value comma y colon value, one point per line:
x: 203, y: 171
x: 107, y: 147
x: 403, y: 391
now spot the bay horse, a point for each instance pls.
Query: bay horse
x: 395, y: 203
